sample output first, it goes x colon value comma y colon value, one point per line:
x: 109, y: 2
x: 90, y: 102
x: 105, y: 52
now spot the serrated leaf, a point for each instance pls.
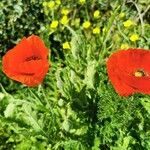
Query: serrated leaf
x: 81, y: 131
x: 66, y: 125
x: 18, y: 9
x: 89, y: 75
x: 2, y: 95
x: 9, y: 110
x: 30, y: 118
x: 146, y: 104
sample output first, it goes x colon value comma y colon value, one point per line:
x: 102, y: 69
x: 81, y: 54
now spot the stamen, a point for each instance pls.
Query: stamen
x: 139, y: 73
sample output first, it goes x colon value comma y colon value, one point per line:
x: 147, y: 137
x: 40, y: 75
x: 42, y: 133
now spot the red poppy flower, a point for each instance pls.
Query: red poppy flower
x: 27, y: 62
x: 129, y: 71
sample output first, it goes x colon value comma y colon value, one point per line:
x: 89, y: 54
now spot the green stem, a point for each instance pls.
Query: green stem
x: 3, y: 89
x: 37, y: 98
x: 107, y: 36
x: 124, y: 36
x: 47, y: 102
x: 140, y: 16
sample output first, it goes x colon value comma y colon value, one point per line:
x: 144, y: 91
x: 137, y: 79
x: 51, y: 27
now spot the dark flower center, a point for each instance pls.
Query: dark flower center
x: 27, y: 74
x: 32, y: 58
x: 139, y: 73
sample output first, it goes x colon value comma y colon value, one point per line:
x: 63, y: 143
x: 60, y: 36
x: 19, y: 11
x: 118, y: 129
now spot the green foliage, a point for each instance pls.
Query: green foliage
x: 18, y: 18
x: 123, y: 122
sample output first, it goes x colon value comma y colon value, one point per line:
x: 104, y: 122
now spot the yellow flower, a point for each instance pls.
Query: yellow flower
x: 58, y: 2
x: 82, y: 1
x: 65, y: 11
x: 64, y: 20
x: 134, y: 37
x: 51, y: 4
x: 86, y: 24
x: 96, y: 14
x: 54, y: 24
x: 66, y: 45
x: 124, y: 46
x: 121, y: 15
x: 96, y: 30
x: 128, y: 23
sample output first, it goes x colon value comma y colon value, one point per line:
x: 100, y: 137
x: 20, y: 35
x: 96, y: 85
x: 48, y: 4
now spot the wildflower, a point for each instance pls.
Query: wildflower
x: 124, y: 46
x: 134, y: 37
x: 27, y: 62
x: 65, y: 11
x: 64, y: 20
x: 96, y: 14
x: 66, y: 45
x: 128, y: 23
x: 121, y: 15
x: 82, y: 1
x: 51, y: 4
x: 96, y: 30
x: 86, y: 24
x: 129, y: 71
x: 54, y: 24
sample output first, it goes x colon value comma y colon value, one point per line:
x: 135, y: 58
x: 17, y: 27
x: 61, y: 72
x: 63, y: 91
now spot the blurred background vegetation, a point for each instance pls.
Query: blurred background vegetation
x: 19, y: 18
x: 75, y: 108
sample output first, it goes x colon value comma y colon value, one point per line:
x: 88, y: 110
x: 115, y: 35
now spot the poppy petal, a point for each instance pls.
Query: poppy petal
x: 37, y: 46
x: 121, y: 67
x: 31, y: 73
x: 121, y: 88
x: 27, y: 62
